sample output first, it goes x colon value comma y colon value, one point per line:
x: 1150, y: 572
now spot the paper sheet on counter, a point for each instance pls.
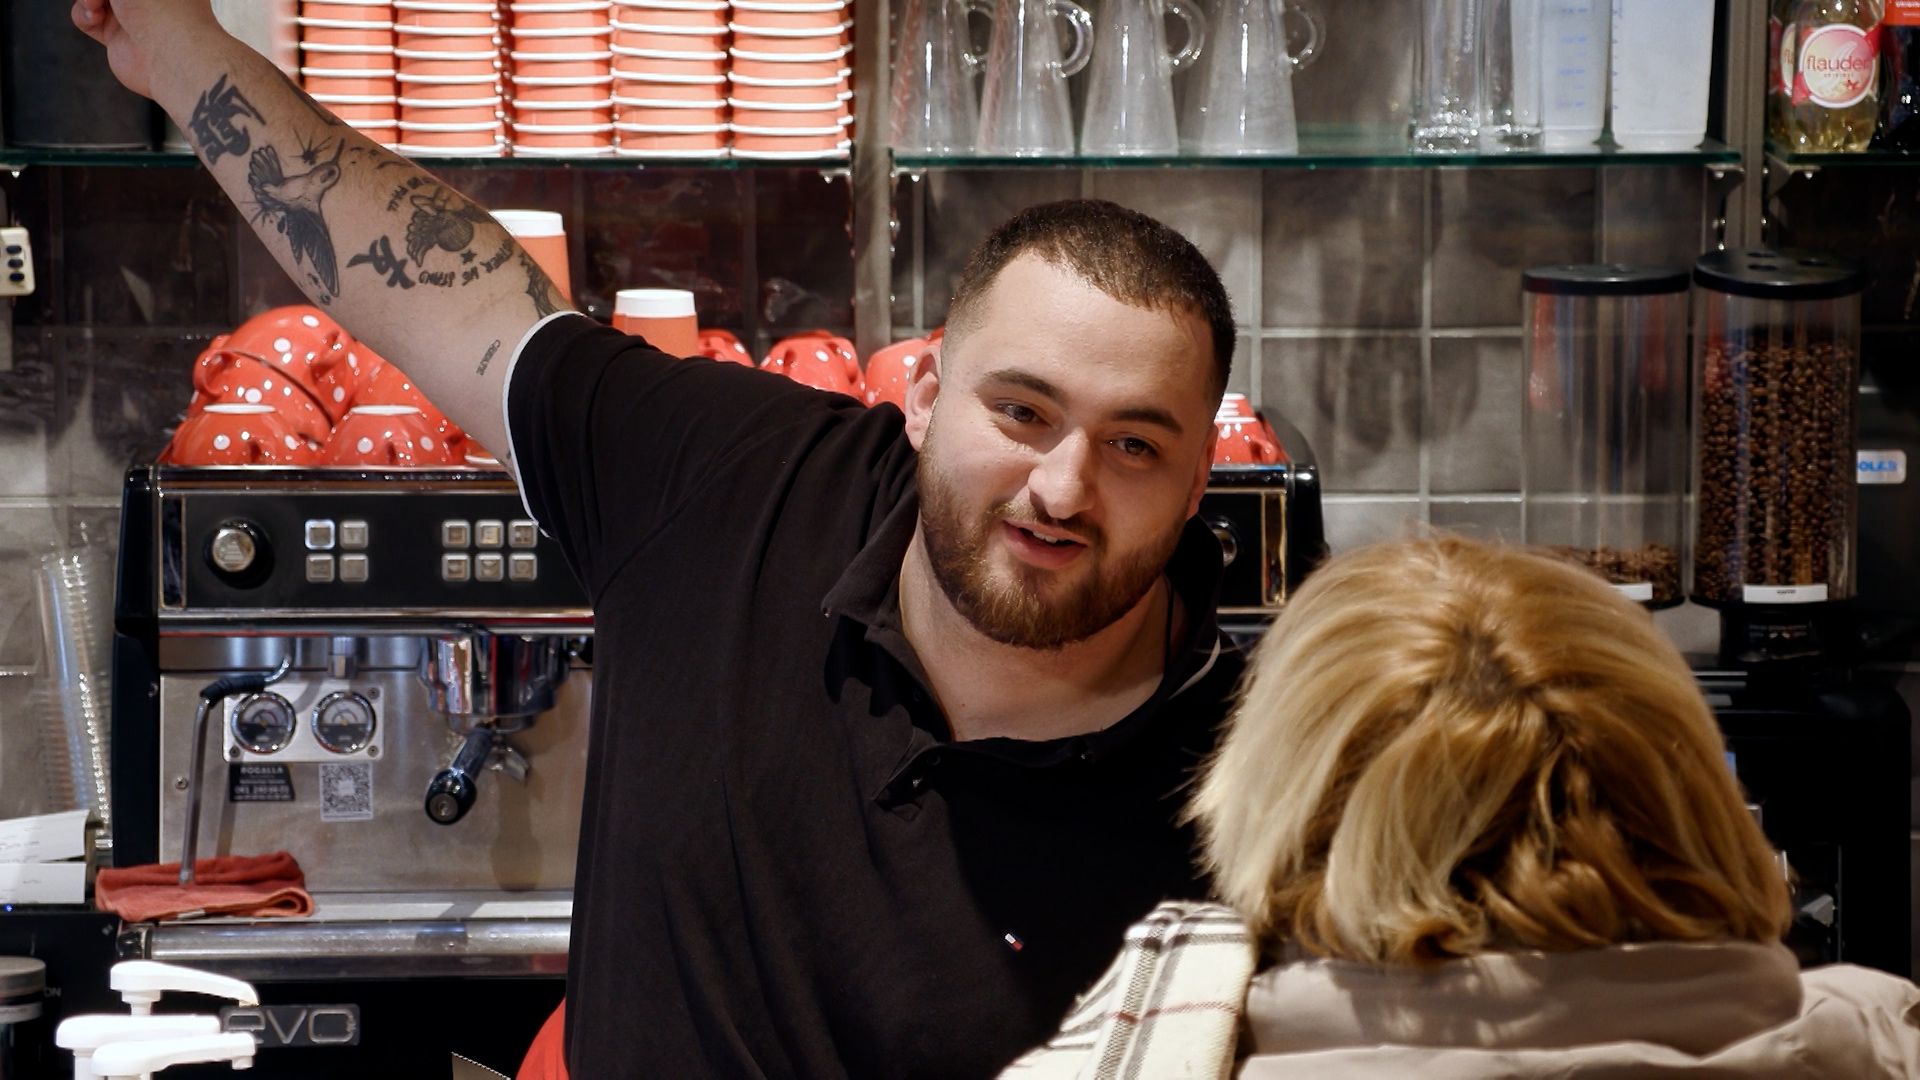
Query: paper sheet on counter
x: 46, y: 838
x: 43, y: 883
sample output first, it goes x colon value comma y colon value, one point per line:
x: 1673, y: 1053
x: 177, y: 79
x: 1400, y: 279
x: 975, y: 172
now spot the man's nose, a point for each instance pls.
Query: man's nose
x: 1062, y: 480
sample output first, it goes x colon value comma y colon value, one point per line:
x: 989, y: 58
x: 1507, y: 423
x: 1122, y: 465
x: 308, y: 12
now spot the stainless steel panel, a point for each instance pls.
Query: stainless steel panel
x: 519, y: 836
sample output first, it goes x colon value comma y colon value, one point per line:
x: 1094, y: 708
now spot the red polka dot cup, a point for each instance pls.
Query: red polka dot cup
x: 237, y: 434
x: 387, y: 436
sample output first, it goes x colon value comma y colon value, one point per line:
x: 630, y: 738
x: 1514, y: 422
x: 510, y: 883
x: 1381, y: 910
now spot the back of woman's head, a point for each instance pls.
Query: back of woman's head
x: 1446, y: 747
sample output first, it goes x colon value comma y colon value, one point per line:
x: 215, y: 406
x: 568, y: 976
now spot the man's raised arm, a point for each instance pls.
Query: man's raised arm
x: 404, y: 262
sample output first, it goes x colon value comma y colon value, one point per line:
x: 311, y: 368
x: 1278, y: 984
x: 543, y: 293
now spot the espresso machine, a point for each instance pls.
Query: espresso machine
x: 1268, y: 520
x: 384, y: 673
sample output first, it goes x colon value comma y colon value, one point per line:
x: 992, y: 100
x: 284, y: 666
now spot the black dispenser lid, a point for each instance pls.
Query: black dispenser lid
x: 1604, y: 279
x: 1786, y: 274
x: 21, y: 977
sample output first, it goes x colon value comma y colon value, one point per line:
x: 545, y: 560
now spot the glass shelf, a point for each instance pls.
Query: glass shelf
x: 1348, y: 148
x: 19, y: 157
x: 1866, y: 159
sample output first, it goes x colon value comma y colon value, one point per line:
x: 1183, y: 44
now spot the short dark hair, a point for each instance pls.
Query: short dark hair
x: 1123, y: 253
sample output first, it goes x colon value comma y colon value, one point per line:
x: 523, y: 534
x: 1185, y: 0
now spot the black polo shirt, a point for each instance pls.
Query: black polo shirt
x: 786, y: 868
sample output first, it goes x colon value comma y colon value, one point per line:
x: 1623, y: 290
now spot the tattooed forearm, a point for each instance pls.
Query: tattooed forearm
x: 487, y: 359
x: 546, y: 298
x: 214, y: 125
x: 292, y: 205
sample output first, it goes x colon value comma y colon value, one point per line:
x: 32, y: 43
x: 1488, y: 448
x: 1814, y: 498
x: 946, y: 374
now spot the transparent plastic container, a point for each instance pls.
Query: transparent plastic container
x: 1604, y: 428
x: 1776, y: 372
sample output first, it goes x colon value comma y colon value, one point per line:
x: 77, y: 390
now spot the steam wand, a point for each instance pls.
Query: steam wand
x: 211, y: 695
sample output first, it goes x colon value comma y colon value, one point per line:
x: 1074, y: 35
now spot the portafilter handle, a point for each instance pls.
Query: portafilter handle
x: 452, y: 791
x: 211, y: 695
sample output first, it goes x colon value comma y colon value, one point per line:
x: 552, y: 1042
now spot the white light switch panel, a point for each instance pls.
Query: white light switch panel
x: 16, y: 262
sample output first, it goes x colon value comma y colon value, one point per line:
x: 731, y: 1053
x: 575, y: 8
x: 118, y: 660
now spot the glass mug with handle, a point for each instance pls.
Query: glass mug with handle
x: 933, y: 109
x: 1243, y: 103
x: 1130, y: 91
x: 1024, y: 111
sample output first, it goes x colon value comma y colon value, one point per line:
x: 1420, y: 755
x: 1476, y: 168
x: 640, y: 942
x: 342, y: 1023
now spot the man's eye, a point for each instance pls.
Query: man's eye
x: 1019, y: 414
x: 1135, y: 447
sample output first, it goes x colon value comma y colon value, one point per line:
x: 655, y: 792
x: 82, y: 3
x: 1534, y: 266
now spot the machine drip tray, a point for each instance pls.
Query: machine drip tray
x: 375, y: 936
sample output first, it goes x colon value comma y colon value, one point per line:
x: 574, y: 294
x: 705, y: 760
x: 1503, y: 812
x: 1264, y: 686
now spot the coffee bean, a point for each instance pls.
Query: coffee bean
x: 1776, y: 466
x: 1653, y: 564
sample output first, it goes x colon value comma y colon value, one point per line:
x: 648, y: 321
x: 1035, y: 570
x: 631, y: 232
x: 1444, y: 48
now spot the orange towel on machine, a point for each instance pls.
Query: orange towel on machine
x: 244, y: 885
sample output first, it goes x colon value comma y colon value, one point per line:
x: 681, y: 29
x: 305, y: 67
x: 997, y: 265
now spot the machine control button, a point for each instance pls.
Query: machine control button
x: 353, y: 567
x: 353, y: 535
x: 320, y: 568
x: 489, y: 534
x: 489, y: 566
x: 455, y: 567
x: 233, y: 548
x: 455, y: 534
x: 264, y: 723
x: 343, y: 722
x: 522, y: 534
x: 523, y: 566
x: 319, y: 535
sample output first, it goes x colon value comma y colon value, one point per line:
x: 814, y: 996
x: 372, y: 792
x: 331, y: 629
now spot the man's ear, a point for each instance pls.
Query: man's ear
x: 1204, y: 472
x: 921, y: 393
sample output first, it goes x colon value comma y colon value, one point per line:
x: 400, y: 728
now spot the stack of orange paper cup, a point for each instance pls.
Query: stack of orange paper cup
x: 346, y: 63
x: 562, y: 78
x: 669, y: 78
x: 449, y: 61
x: 789, y: 88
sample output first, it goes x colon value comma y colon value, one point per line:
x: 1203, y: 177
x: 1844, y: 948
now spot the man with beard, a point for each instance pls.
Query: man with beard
x: 892, y: 714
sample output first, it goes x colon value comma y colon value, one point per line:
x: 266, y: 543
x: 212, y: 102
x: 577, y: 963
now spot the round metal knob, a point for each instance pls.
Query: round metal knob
x: 234, y: 547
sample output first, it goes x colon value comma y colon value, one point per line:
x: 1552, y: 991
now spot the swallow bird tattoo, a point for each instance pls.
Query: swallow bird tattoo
x: 292, y: 203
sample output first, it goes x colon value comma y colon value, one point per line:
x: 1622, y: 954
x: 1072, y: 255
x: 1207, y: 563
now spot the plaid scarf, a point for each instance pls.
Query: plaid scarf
x: 1168, y: 1009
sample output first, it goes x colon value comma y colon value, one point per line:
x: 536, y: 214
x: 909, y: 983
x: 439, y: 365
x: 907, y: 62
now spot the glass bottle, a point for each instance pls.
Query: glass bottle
x: 1834, y: 100
x: 1782, y: 55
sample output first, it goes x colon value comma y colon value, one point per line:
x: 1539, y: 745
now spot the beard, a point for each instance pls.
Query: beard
x: 1017, y: 609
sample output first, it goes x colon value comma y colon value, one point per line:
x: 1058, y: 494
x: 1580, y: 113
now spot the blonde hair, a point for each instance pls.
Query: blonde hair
x: 1446, y: 747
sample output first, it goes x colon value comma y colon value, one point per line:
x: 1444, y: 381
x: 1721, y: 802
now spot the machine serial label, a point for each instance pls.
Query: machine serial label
x: 346, y: 791
x: 259, y: 783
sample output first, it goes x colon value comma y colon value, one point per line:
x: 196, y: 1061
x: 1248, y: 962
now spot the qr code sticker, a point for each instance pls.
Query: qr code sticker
x: 346, y: 791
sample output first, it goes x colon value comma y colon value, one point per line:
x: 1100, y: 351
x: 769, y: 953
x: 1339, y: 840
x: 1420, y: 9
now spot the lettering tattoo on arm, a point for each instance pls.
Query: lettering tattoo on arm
x: 488, y: 358
x: 292, y: 204
x: 215, y: 126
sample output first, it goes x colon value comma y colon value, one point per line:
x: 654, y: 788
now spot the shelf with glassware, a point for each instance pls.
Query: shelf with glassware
x: 1499, y: 83
x: 15, y: 158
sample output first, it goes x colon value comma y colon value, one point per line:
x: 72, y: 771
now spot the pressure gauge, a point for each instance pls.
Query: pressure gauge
x: 343, y: 722
x: 264, y: 723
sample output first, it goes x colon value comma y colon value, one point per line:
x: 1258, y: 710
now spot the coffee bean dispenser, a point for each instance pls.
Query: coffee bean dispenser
x: 1604, y: 427
x: 1777, y: 368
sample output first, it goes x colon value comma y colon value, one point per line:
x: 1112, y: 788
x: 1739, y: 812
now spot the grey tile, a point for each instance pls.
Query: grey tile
x: 1356, y: 400
x: 1650, y: 216
x: 964, y: 205
x: 122, y: 393
x: 1482, y: 519
x: 1213, y: 209
x: 1342, y: 248
x: 1363, y: 75
x: 1246, y: 361
x: 29, y: 414
x: 156, y: 252
x: 1871, y: 216
x: 1491, y: 224
x: 1474, y: 405
x: 1353, y: 523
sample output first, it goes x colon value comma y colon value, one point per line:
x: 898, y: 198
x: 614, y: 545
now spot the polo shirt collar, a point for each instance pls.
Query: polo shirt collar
x: 868, y: 592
